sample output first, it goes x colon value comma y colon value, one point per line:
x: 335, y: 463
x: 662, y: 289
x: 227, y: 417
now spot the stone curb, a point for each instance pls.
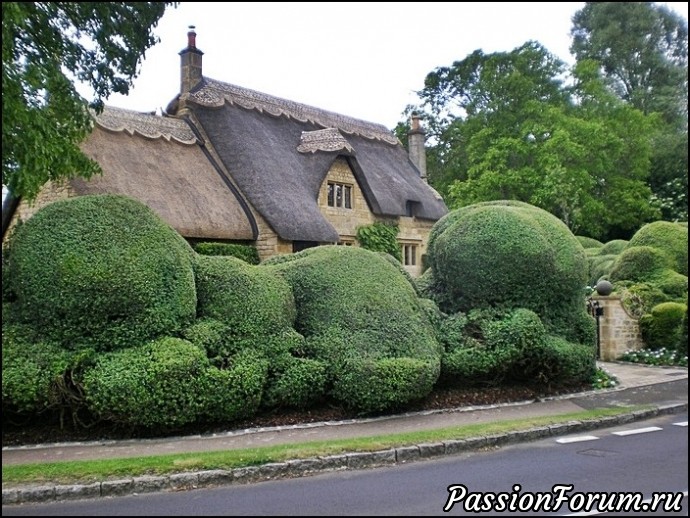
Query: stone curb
x: 305, y: 467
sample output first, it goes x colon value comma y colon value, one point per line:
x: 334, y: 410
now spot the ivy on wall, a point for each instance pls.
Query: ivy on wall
x: 380, y: 237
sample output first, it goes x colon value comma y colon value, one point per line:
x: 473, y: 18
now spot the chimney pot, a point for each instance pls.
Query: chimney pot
x: 191, y: 37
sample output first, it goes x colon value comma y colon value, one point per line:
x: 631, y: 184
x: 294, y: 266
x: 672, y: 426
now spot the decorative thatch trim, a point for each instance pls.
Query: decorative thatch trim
x: 328, y: 140
x: 146, y: 125
x: 212, y: 93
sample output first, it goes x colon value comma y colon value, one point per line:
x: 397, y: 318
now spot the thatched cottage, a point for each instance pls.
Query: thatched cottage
x: 230, y: 164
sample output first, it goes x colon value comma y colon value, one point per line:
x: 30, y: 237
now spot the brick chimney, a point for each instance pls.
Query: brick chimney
x: 415, y: 143
x: 190, y: 63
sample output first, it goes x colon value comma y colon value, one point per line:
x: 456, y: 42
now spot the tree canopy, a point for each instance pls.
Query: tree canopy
x: 601, y: 144
x: 46, y: 48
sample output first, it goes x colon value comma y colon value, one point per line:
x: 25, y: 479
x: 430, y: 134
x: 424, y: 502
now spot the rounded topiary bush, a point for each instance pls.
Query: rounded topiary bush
x: 669, y: 238
x: 356, y: 309
x: 662, y: 327
x: 589, y: 242
x: 251, y: 301
x: 101, y: 271
x: 155, y: 384
x: 510, y: 254
x: 169, y: 383
x: 33, y: 372
x: 639, y: 264
x: 614, y: 247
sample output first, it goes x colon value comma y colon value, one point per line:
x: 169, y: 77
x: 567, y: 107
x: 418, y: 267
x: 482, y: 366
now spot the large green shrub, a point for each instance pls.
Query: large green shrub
x: 588, y: 242
x: 510, y: 254
x: 33, y: 371
x: 682, y: 344
x: 639, y: 264
x: 614, y: 247
x: 155, y: 384
x: 248, y: 254
x: 101, y: 271
x: 250, y: 300
x: 662, y: 327
x: 356, y: 309
x: 491, y: 347
x: 169, y: 382
x: 669, y: 238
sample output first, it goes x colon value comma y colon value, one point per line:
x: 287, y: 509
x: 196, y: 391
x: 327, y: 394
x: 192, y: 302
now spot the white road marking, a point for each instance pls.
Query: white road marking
x: 682, y: 423
x: 579, y: 438
x: 638, y: 430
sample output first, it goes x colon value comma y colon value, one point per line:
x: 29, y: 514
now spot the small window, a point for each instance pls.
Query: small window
x: 339, y: 195
x: 409, y: 255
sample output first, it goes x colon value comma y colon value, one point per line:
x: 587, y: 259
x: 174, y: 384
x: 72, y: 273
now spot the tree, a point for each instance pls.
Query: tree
x: 506, y: 127
x: 46, y: 48
x: 642, y: 48
x: 642, y: 51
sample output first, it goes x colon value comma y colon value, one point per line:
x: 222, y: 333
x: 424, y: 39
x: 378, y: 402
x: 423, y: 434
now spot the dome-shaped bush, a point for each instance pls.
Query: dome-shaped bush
x: 251, y: 301
x: 357, y: 310
x: 614, y: 247
x: 640, y: 263
x: 510, y: 254
x: 102, y: 271
x: 670, y: 238
x: 662, y: 327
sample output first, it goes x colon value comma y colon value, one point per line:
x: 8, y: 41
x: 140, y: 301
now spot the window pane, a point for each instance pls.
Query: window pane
x: 348, y: 196
x: 330, y: 195
x: 338, y: 195
x: 413, y: 255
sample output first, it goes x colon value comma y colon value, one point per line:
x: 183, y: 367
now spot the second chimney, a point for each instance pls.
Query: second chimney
x: 415, y: 142
x: 190, y: 63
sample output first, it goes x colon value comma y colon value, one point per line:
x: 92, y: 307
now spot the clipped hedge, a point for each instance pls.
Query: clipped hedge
x: 33, y: 372
x: 101, y: 271
x: 669, y: 238
x: 250, y: 300
x: 589, y: 242
x: 248, y: 254
x: 663, y: 326
x: 640, y: 264
x: 169, y: 383
x: 510, y: 254
x: 493, y: 347
x: 353, y: 306
x: 614, y: 247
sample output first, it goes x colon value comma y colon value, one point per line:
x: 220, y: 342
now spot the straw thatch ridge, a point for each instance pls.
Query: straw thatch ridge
x: 212, y: 93
x: 160, y: 162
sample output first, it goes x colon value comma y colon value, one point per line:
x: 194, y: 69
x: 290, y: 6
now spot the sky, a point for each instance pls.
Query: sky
x: 361, y: 59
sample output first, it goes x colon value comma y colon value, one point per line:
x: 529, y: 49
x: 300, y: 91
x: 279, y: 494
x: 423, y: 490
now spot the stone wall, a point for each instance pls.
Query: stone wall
x: 413, y: 231
x: 618, y: 330
x: 50, y: 192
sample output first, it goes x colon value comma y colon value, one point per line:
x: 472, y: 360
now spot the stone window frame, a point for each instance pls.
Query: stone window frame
x: 343, y: 201
x: 410, y: 253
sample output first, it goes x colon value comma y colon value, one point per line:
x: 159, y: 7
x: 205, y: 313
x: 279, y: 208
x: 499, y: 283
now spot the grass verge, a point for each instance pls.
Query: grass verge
x: 87, y: 471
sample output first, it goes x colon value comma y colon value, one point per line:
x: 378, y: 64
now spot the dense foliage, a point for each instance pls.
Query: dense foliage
x: 380, y: 237
x: 510, y: 255
x: 362, y: 318
x: 46, y: 48
x: 101, y: 271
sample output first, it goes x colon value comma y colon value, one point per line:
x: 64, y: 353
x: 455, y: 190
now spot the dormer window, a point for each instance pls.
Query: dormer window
x: 339, y: 195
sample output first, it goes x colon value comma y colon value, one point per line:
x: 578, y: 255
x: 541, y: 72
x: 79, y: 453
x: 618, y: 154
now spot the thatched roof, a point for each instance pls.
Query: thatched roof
x: 158, y: 161
x: 279, y: 153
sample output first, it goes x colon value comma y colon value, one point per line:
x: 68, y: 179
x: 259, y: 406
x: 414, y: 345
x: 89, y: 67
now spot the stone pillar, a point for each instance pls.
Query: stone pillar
x: 618, y: 330
x: 415, y: 143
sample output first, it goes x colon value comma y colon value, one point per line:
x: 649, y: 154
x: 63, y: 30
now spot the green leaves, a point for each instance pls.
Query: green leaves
x: 46, y: 47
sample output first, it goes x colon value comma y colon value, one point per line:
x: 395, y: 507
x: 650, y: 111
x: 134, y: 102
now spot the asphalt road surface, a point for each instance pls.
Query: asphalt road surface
x: 646, y: 457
